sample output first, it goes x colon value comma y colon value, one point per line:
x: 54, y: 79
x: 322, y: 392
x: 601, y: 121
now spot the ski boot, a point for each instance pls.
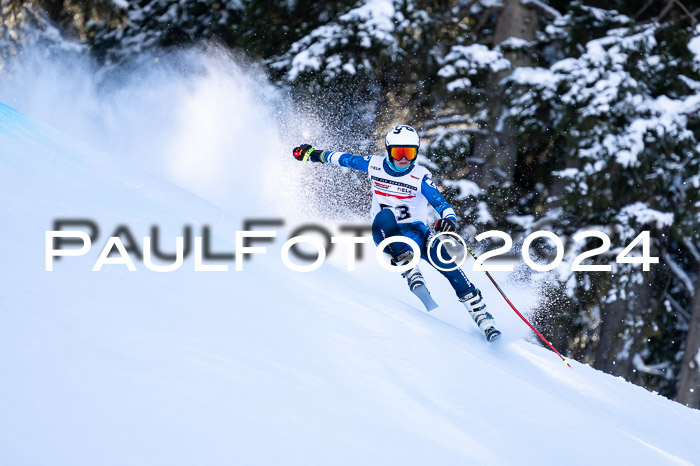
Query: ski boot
x: 415, y: 280
x: 413, y: 276
x: 477, y: 309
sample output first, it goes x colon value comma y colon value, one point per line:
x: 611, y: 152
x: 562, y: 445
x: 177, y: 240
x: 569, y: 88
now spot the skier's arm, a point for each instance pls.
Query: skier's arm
x: 358, y: 162
x: 306, y: 152
x: 434, y: 197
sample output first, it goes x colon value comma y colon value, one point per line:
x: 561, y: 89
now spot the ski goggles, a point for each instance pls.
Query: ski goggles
x: 397, y: 153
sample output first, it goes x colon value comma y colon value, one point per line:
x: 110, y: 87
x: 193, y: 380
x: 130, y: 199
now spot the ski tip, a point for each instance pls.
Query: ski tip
x: 424, y: 295
x: 431, y: 306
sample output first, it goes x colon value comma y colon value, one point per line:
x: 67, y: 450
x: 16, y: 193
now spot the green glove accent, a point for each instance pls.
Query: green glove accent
x: 306, y: 152
x: 318, y: 155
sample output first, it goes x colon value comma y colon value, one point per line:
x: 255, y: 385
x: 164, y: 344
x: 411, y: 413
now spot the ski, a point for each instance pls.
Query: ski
x: 421, y: 291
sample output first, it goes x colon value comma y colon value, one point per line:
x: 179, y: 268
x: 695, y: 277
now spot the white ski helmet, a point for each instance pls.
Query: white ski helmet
x: 401, y: 136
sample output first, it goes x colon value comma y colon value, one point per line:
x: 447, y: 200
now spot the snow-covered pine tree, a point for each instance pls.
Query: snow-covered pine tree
x: 149, y: 24
x: 620, y: 122
x: 258, y: 28
x: 27, y: 24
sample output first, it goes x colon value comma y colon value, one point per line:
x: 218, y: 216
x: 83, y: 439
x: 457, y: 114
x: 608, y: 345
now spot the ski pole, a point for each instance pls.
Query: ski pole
x: 517, y: 312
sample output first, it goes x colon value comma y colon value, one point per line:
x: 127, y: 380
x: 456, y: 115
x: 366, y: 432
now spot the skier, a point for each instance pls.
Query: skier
x: 402, y: 190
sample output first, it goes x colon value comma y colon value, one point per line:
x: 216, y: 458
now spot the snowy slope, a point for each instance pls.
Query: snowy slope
x: 269, y: 366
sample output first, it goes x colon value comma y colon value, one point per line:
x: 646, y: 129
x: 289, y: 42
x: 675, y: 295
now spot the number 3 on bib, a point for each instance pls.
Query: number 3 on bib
x: 402, y: 210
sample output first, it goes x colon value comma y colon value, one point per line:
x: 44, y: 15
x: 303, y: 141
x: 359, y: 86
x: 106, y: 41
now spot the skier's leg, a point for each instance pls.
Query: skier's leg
x: 467, y: 293
x: 385, y: 226
x: 459, y: 281
x: 417, y: 232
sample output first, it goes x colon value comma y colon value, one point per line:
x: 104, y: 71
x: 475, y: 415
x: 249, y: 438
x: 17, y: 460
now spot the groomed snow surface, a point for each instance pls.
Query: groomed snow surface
x: 269, y: 366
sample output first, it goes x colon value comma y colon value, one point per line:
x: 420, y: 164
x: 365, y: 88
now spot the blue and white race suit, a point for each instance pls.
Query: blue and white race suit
x: 406, y: 195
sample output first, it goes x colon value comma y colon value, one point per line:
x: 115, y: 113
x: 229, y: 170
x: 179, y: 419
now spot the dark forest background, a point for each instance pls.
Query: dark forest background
x: 560, y: 115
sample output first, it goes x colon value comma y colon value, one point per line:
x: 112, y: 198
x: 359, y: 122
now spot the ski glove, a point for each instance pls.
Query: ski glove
x: 306, y: 152
x: 445, y: 225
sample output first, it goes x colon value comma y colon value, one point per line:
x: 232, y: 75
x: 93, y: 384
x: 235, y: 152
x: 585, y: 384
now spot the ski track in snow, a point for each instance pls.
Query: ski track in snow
x: 269, y: 366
